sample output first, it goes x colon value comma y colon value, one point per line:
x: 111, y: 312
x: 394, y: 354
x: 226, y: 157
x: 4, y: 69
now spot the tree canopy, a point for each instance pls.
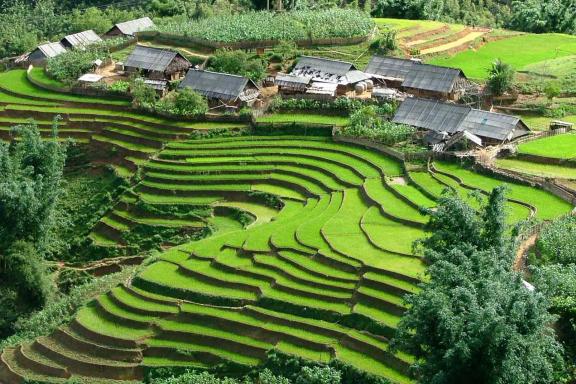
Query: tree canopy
x: 474, y: 320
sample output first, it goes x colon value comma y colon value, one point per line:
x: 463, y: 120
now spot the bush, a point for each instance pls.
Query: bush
x: 500, y: 77
x: 238, y: 63
x: 557, y: 241
x: 386, y: 44
x: 341, y: 104
x: 369, y: 122
x: 184, y: 102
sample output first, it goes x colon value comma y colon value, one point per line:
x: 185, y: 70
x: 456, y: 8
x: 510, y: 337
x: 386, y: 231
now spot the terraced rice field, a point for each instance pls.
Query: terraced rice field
x: 431, y: 37
x: 537, y: 169
x: 543, y: 47
x: 321, y: 276
x: 558, y: 147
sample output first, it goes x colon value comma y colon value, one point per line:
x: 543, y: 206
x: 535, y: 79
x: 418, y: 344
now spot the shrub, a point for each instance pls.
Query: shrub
x: 238, y: 63
x: 143, y: 96
x: 121, y: 87
x: 500, y: 77
x: 369, y: 122
x: 386, y: 43
x: 557, y: 241
x: 184, y: 102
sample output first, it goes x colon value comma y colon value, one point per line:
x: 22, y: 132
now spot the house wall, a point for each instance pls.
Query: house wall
x: 37, y: 58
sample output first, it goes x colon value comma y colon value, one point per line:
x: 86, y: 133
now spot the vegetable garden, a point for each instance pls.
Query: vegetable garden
x: 290, y: 26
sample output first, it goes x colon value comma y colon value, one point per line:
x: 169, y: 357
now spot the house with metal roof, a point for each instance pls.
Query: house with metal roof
x: 43, y: 52
x: 80, y: 40
x: 339, y: 77
x: 222, y: 89
x: 444, y: 120
x: 157, y: 63
x: 418, y: 79
x: 130, y: 28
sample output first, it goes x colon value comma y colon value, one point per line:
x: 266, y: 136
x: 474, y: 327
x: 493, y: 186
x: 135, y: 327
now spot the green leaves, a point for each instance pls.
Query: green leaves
x: 288, y: 26
x: 500, y: 77
x: 475, y: 321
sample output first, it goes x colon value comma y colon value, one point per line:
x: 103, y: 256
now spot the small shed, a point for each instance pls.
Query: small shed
x: 160, y: 86
x: 288, y: 84
x: 431, y: 115
x: 157, y: 63
x: 130, y: 28
x: 222, y: 88
x: 80, y: 40
x: 418, y: 79
x: 88, y: 79
x: 43, y: 52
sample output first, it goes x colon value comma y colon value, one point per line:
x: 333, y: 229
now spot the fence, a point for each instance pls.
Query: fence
x: 191, y: 41
x: 541, y: 135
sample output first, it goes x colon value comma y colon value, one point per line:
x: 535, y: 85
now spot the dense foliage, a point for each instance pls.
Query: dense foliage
x: 290, y: 26
x: 184, y: 102
x: 25, y: 24
x: 500, y: 78
x: 557, y: 242
x: 370, y: 122
x: 238, y: 63
x: 30, y: 188
x: 475, y: 321
x: 524, y: 15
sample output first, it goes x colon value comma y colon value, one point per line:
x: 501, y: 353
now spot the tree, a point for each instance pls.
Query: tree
x: 552, y: 90
x: 143, y: 95
x: 237, y: 63
x: 190, y: 103
x: 500, y: 77
x: 318, y: 375
x: 30, y: 187
x: 474, y: 321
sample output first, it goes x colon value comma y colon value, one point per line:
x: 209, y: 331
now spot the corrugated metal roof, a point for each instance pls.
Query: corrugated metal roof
x: 138, y: 25
x: 431, y: 114
x: 82, y: 39
x: 452, y: 118
x: 355, y: 76
x: 52, y: 49
x: 431, y: 78
x: 214, y: 84
x: 489, y: 124
x: 335, y: 67
x: 287, y: 79
x: 389, y: 67
x: 156, y: 84
x: 150, y: 58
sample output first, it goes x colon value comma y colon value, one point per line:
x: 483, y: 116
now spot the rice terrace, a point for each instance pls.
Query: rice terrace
x: 240, y: 192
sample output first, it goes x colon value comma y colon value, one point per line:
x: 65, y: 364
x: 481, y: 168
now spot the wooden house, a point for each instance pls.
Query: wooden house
x: 157, y: 63
x: 80, y: 40
x: 42, y: 53
x: 222, y: 89
x: 444, y: 120
x: 418, y: 79
x: 130, y: 28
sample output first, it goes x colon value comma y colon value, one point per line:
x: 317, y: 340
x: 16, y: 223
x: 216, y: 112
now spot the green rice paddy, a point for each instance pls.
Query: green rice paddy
x: 336, y: 247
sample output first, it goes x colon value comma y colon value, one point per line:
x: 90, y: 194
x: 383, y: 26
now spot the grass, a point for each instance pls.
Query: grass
x: 548, y: 205
x: 17, y: 82
x: 559, y: 147
x: 542, y: 123
x: 475, y: 63
x: 538, y: 169
x: 304, y: 118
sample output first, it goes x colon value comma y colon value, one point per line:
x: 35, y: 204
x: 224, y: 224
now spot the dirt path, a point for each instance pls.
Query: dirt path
x: 522, y: 252
x: 445, y: 47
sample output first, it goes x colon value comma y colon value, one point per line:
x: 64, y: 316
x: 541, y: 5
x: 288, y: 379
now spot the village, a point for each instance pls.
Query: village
x: 440, y: 102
